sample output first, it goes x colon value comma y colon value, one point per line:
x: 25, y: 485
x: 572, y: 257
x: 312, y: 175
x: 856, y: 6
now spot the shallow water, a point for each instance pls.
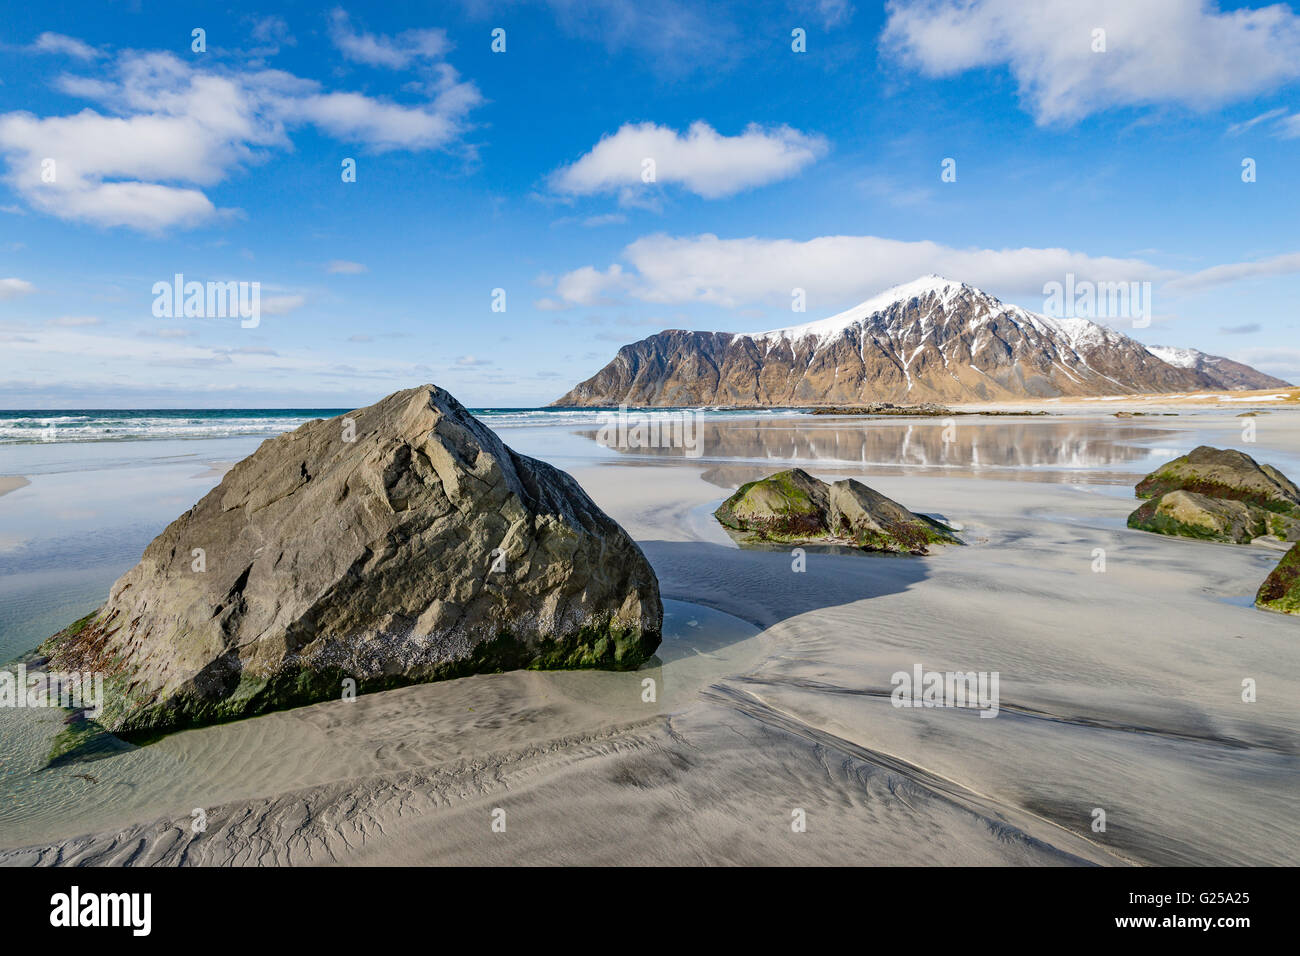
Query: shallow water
x: 90, y: 509
x: 1097, y: 450
x: 331, y: 740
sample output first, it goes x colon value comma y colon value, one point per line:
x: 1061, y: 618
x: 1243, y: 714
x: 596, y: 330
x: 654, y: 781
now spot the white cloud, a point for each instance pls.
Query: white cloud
x: 585, y: 286
x: 1187, y: 52
x: 13, y: 288
x: 703, y: 161
x: 67, y: 46
x: 99, y: 357
x: 834, y: 12
x: 1285, y: 264
x: 397, y: 52
x: 170, y: 127
x: 345, y: 268
x: 282, y: 304
x: 75, y: 321
x: 1236, y: 129
x: 246, y: 350
x: 674, y: 34
x: 831, y: 269
x: 588, y: 286
x: 381, y: 126
x: 273, y: 31
x: 469, y: 361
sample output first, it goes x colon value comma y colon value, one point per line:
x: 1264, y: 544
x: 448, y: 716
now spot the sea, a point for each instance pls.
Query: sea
x: 35, y: 426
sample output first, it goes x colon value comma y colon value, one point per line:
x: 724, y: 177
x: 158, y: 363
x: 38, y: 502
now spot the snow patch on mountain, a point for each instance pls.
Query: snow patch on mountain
x: 828, y: 328
x: 1179, y: 358
x: 1079, y: 333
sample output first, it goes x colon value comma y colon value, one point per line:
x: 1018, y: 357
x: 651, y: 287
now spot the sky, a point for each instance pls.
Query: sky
x: 538, y: 183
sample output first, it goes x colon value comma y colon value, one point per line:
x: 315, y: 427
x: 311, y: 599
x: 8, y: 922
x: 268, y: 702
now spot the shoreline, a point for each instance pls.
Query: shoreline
x: 1219, y: 398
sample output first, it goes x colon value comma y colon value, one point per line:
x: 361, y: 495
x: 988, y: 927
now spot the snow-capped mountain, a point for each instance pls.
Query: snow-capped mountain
x: 1227, y: 374
x: 932, y: 339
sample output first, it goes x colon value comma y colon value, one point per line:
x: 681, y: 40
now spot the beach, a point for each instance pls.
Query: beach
x: 771, y: 736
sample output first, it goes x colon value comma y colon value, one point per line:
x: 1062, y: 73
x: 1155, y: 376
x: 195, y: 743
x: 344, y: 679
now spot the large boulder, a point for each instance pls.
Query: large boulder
x: 401, y: 543
x: 1224, y: 473
x: 1281, y: 589
x: 1218, y: 494
x: 1193, y: 515
x: 793, y: 507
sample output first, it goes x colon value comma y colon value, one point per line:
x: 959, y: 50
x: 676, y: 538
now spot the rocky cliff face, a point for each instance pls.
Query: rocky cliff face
x: 929, y: 340
x: 401, y: 543
x: 1223, y: 372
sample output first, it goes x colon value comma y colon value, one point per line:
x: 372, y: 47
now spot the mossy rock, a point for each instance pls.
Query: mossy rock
x: 140, y: 719
x: 789, y: 505
x: 1281, y: 589
x: 1225, y: 474
x: 420, y: 548
x: 792, y: 507
x: 1188, y: 514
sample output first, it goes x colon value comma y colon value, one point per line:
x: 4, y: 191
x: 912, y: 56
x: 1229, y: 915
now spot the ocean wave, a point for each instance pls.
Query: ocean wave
x: 46, y: 429
x: 23, y: 427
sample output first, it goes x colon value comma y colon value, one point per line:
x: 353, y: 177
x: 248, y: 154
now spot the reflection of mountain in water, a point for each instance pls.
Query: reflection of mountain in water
x: 961, y: 444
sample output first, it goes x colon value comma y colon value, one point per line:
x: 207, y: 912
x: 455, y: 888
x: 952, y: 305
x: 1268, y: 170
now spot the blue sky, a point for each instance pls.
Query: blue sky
x: 523, y: 171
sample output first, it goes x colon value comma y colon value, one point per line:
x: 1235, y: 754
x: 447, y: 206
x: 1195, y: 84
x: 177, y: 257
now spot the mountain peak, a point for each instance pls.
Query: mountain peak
x: 931, y: 284
x: 1225, y: 372
x: 930, y: 339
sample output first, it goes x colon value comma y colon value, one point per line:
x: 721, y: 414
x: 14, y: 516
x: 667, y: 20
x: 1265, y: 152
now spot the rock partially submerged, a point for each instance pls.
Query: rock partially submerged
x: 1218, y: 495
x: 1281, y: 589
x: 793, y: 507
x: 401, y: 543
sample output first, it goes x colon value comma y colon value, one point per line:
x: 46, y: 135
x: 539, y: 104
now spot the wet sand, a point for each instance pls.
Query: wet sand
x: 1119, y: 691
x: 10, y: 483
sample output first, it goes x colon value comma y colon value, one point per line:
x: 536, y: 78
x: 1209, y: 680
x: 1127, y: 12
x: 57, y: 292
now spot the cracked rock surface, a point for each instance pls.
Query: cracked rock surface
x: 400, y: 543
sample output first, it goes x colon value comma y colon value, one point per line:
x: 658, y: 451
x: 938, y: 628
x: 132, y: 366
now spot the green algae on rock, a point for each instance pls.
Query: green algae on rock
x: 401, y: 543
x: 793, y: 507
x: 790, y: 504
x: 1281, y: 589
x: 1224, y: 473
x: 1218, y: 494
x: 1192, y: 515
